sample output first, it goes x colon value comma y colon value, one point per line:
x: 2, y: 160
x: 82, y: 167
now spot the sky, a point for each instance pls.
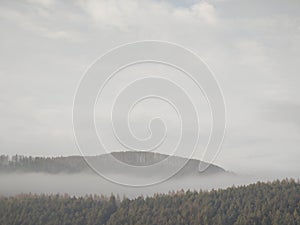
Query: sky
x: 253, y: 48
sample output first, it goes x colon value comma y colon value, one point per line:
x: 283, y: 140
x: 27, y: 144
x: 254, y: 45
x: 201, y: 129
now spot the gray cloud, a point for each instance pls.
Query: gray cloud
x: 282, y: 112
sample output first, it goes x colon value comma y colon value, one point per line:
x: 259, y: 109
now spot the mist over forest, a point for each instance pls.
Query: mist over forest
x: 73, y: 175
x: 163, y: 112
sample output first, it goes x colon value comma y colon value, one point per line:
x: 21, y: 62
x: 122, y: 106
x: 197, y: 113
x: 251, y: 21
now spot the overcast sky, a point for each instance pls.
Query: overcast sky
x: 252, y: 46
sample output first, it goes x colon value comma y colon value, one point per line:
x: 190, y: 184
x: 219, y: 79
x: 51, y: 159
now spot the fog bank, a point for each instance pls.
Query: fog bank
x: 82, y: 184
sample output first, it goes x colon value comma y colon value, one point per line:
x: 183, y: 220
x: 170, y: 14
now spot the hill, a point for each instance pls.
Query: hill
x: 77, y: 164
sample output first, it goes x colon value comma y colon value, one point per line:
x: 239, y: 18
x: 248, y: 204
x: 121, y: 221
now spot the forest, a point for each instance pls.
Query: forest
x: 270, y: 203
x: 20, y: 163
x: 78, y: 164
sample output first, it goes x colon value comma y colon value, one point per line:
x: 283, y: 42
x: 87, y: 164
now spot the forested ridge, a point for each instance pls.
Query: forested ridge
x: 77, y: 164
x: 276, y: 203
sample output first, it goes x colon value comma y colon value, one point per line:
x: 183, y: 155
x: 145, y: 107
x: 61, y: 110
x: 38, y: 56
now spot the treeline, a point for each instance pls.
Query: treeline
x: 76, y: 164
x: 273, y: 203
x: 20, y: 163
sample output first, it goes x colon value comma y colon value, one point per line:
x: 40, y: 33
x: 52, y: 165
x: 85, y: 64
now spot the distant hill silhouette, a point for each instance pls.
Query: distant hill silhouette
x: 77, y: 164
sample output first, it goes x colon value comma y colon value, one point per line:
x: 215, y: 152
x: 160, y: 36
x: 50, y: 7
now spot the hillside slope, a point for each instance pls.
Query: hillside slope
x: 276, y: 203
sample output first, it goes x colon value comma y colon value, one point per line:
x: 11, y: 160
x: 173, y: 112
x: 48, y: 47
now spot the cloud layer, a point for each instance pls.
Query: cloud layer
x: 252, y: 46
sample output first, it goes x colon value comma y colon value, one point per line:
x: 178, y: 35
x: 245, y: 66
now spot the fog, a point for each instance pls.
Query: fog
x: 83, y: 184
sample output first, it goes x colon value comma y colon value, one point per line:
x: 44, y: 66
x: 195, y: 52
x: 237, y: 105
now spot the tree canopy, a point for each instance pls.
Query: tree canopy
x: 275, y: 203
